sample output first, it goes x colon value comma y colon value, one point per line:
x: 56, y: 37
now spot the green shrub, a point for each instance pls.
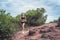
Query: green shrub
x: 36, y: 17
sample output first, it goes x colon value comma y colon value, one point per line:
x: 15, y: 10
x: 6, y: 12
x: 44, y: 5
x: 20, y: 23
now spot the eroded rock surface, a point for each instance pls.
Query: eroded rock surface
x: 47, y: 31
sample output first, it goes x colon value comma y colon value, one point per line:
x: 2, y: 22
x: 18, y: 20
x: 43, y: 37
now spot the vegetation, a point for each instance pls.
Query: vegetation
x: 36, y: 17
x: 56, y: 20
x: 8, y: 25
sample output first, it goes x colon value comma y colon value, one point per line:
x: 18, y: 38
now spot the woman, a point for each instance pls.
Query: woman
x: 23, y: 20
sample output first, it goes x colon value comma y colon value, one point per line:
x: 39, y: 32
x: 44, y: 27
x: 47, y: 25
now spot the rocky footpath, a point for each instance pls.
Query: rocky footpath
x: 48, y: 31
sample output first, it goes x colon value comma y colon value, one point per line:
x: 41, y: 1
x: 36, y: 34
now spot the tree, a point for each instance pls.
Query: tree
x: 56, y: 20
x: 7, y: 25
x: 36, y: 17
x: 59, y: 19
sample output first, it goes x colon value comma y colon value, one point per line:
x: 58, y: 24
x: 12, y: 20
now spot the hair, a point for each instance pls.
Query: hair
x: 22, y: 14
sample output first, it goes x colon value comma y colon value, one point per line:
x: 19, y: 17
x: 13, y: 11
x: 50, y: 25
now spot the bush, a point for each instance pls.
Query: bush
x: 8, y: 25
x: 36, y: 17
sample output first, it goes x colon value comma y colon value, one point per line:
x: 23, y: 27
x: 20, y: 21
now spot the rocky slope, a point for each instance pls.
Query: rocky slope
x: 48, y: 31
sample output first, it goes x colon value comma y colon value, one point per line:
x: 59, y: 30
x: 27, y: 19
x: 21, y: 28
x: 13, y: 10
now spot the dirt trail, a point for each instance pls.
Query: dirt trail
x: 47, y: 31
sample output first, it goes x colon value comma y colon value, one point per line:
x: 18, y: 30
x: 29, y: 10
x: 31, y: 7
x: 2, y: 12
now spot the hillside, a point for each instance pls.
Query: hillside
x: 48, y: 31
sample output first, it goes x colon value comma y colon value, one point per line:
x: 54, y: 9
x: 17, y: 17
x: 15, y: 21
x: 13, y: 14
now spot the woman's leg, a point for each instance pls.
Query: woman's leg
x: 23, y: 26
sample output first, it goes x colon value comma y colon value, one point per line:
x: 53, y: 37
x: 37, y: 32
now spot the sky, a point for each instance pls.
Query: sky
x: 16, y: 7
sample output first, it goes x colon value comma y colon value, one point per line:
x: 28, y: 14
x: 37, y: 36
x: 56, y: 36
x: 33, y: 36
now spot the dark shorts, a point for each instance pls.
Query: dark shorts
x: 22, y: 22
